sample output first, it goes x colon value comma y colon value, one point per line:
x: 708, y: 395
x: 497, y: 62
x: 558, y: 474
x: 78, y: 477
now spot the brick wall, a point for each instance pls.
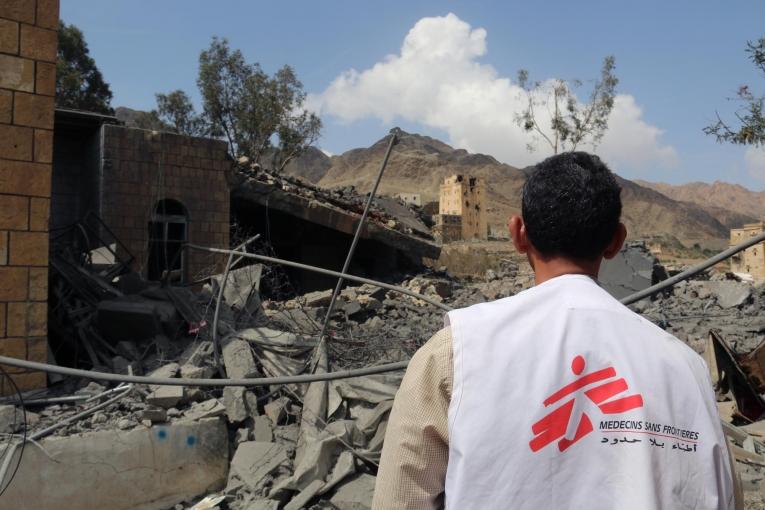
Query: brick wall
x: 27, y: 88
x: 140, y: 168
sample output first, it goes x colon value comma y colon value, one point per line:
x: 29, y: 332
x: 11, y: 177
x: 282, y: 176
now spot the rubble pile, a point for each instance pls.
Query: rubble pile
x: 313, y: 445
x: 383, y: 211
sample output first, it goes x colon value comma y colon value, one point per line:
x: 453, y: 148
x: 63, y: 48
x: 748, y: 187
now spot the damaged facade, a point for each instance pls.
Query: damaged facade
x: 752, y: 260
x: 462, y: 209
x: 153, y: 191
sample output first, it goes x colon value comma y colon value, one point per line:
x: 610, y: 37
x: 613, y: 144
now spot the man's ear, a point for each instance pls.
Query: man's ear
x: 518, y: 233
x: 616, y: 242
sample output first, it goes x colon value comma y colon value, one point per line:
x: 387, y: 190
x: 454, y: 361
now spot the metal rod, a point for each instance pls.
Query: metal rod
x: 354, y: 242
x: 221, y: 289
x: 215, y: 383
x: 691, y: 271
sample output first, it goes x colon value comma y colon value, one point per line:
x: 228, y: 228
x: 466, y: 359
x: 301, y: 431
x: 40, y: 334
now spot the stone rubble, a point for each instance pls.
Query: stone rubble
x: 272, y: 466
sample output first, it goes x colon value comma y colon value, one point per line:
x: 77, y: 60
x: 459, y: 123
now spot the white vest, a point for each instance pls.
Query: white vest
x: 564, y: 398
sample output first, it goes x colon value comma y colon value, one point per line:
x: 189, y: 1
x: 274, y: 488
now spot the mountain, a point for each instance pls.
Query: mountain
x: 734, y: 204
x: 420, y: 164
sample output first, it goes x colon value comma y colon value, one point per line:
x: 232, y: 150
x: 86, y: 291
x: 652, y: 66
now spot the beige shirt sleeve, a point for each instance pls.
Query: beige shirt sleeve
x: 416, y: 448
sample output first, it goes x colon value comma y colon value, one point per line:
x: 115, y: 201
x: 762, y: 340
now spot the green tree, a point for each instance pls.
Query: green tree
x: 261, y: 116
x: 750, y: 125
x: 177, y: 112
x: 79, y: 83
x: 571, y: 123
x: 149, y: 120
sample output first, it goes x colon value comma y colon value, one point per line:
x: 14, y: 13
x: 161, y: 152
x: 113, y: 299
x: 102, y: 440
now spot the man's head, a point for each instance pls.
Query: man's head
x: 570, y: 211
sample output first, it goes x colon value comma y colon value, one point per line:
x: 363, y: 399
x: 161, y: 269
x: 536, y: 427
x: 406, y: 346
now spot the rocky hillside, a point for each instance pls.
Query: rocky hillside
x: 733, y: 204
x: 420, y: 163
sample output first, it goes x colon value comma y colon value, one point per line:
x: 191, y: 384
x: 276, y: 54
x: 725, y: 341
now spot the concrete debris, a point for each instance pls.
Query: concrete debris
x: 207, y: 409
x: 255, y: 466
x: 355, y: 495
x: 238, y: 359
x: 237, y: 409
x: 276, y: 410
x: 165, y: 396
x: 730, y: 294
x: 633, y: 269
x: 120, y: 470
x: 316, y: 445
x: 263, y: 429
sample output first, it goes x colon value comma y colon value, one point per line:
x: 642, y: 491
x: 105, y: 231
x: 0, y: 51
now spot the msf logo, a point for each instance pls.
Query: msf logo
x: 553, y: 427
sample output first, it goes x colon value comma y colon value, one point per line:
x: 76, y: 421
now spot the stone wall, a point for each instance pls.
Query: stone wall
x: 752, y: 260
x: 140, y: 168
x: 27, y: 87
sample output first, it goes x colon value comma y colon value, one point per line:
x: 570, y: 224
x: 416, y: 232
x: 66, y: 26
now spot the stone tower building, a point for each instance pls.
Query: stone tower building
x: 752, y: 260
x: 465, y: 197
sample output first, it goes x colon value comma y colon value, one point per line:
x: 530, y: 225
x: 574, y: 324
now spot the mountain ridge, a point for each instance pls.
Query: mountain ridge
x: 419, y: 164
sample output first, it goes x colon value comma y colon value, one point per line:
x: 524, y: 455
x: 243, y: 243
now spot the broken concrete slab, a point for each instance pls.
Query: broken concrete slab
x: 254, y: 463
x: 155, y: 415
x: 633, y: 269
x: 10, y: 419
x: 165, y: 371
x: 263, y: 429
x: 236, y: 406
x: 730, y: 294
x: 356, y: 494
x: 207, y: 409
x: 318, y: 298
x: 304, y: 496
x: 276, y: 410
x: 238, y: 358
x: 262, y: 504
x: 165, y: 396
x: 140, y: 469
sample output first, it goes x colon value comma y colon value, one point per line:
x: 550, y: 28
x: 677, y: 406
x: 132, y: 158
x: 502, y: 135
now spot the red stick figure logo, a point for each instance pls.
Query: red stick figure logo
x: 553, y: 426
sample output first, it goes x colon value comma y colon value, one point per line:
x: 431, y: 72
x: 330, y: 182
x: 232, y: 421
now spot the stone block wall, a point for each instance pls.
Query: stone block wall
x: 752, y: 260
x: 140, y: 168
x: 28, y: 45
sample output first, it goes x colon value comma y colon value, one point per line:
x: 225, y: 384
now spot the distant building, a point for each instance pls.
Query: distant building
x: 464, y: 197
x: 411, y: 198
x: 751, y: 260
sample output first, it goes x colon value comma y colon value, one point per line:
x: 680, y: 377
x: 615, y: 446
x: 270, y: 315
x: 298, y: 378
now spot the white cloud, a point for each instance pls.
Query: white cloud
x: 754, y: 158
x: 326, y: 152
x: 437, y: 80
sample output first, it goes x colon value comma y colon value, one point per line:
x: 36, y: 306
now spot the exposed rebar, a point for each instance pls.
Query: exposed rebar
x: 356, y: 236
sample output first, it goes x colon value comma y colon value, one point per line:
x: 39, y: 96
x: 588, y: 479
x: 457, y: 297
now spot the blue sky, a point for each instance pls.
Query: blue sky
x: 677, y: 63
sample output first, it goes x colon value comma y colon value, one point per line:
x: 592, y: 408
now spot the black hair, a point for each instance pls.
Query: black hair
x: 571, y: 206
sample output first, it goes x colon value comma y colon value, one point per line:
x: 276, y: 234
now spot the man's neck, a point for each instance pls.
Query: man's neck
x: 552, y: 267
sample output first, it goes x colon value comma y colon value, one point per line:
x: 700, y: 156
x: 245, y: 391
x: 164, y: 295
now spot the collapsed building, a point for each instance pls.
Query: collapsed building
x: 119, y: 205
x: 152, y: 191
x: 315, y: 226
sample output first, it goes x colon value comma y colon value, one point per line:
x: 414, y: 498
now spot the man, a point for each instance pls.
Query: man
x: 558, y: 397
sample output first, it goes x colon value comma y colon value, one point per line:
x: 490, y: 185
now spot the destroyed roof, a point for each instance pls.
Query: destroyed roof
x: 82, y: 118
x: 395, y: 225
